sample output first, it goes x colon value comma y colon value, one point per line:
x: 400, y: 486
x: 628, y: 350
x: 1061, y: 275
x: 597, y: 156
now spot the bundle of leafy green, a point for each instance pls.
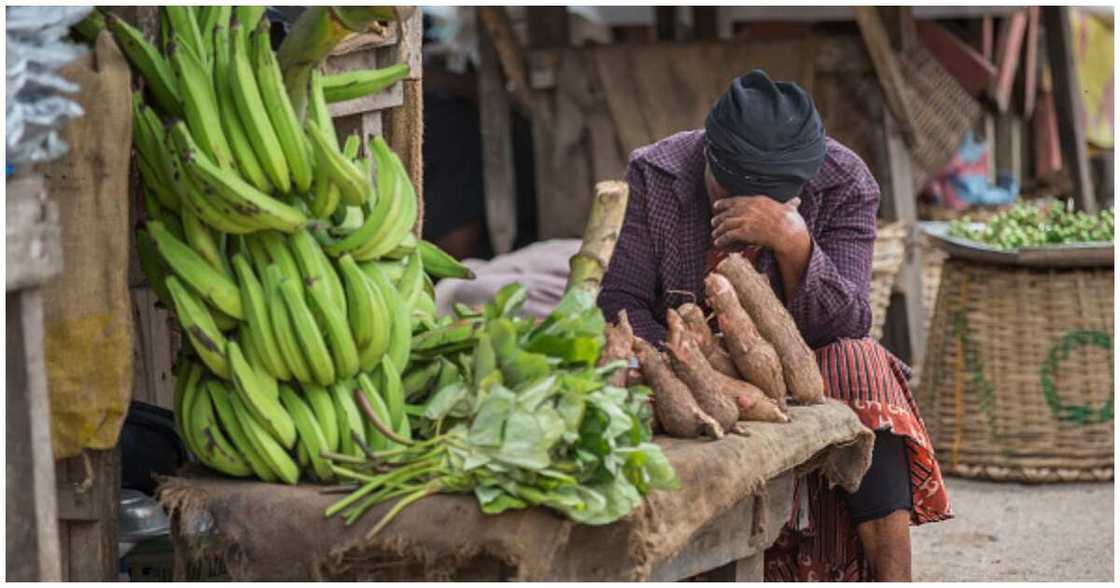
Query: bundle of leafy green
x: 518, y: 413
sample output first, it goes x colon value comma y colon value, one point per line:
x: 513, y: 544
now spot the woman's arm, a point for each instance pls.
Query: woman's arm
x: 831, y: 299
x: 631, y: 279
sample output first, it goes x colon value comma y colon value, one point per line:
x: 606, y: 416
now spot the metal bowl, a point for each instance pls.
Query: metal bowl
x: 141, y: 517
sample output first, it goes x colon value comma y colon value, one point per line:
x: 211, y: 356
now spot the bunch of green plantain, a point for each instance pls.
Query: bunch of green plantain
x: 288, y: 257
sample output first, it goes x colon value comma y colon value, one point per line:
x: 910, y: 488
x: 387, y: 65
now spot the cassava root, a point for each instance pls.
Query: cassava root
x: 755, y: 359
x: 799, y: 365
x: 676, y: 410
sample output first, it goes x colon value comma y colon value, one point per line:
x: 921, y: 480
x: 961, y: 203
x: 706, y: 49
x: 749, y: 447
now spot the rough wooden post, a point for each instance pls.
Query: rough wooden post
x: 34, y: 255
x: 1068, y: 104
x: 497, y: 142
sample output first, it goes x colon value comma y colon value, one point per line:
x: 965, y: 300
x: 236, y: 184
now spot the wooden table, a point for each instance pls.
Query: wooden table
x: 725, y: 550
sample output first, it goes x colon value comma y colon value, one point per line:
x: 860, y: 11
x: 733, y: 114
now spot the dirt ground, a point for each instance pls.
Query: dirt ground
x: 1019, y: 532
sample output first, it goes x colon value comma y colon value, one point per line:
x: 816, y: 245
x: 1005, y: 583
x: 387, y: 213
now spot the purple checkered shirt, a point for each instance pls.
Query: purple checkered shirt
x: 659, y: 260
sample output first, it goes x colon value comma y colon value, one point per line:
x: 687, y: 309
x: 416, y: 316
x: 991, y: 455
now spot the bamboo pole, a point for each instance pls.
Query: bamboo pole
x: 604, y: 224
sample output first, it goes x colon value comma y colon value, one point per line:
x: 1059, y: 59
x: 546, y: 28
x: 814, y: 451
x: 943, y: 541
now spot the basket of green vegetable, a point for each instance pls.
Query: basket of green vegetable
x: 1018, y: 377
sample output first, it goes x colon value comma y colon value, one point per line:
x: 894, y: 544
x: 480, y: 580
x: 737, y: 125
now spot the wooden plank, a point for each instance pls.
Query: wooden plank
x: 622, y: 96
x: 1008, y: 50
x: 728, y: 538
x: 886, y: 68
x: 967, y: 65
x: 902, y: 332
x: 1009, y: 145
x: 156, y: 344
x: 380, y: 36
x: 89, y: 487
x: 497, y: 140
x: 34, y: 236
x: 1068, y: 105
x: 410, y: 48
x: 496, y: 24
x: 403, y: 127
x: 32, y: 551
x: 1030, y: 62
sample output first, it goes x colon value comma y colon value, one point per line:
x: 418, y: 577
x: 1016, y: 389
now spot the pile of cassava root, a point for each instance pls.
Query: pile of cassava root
x: 708, y: 385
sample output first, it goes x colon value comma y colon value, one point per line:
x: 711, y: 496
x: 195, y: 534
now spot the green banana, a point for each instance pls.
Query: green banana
x: 209, y: 18
x: 188, y: 378
x: 248, y: 340
x: 308, y: 334
x: 214, y: 449
x: 214, y: 286
x: 256, y: 310
x: 236, y: 134
x: 419, y: 380
x: 154, y: 268
x: 377, y: 440
x: 341, y: 341
x: 405, y: 248
x: 393, y: 269
x: 412, y: 281
x: 275, y: 246
x: 316, y: 268
x: 325, y: 196
x: 251, y: 110
x: 392, y: 391
x: 284, y: 120
x: 323, y: 406
x: 439, y: 264
x: 360, y: 302
x: 354, y: 186
x: 400, y: 336
x: 201, y: 240
x: 185, y: 26
x: 286, y: 339
x: 200, y: 103
x: 238, y: 193
x: 151, y: 64
x: 371, y: 353
x: 309, y: 432
x: 89, y: 27
x: 302, y: 457
x: 249, y: 16
x: 350, y: 421
x: 393, y: 216
x: 259, y: 391
x: 267, y: 447
x: 358, y: 83
x: 220, y: 396
x: 154, y: 183
x: 199, y: 325
x: 317, y: 110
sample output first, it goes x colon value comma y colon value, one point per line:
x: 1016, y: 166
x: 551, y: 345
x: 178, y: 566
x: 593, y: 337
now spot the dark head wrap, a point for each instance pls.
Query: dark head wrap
x: 764, y: 138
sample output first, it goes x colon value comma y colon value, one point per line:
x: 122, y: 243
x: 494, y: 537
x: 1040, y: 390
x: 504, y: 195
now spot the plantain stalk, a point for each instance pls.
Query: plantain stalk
x: 315, y: 33
x: 600, y: 236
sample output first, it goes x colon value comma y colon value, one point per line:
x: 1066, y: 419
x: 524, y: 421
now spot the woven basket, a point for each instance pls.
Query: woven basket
x: 890, y: 251
x: 1019, y: 381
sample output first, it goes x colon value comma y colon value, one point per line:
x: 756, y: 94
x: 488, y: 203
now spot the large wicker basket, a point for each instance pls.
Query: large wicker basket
x: 890, y: 252
x: 1018, y: 376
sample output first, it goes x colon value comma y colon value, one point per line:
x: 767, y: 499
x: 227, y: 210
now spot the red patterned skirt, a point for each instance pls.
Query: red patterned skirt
x: 821, y: 543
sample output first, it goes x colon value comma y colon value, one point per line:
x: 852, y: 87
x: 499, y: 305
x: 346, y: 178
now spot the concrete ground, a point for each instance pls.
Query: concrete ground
x: 1005, y: 531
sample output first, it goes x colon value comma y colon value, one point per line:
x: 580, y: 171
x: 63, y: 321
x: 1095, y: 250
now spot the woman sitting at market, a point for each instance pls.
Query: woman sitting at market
x: 763, y: 179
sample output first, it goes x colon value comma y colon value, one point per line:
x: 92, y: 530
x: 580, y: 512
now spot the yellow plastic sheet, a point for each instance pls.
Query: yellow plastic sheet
x: 87, y: 317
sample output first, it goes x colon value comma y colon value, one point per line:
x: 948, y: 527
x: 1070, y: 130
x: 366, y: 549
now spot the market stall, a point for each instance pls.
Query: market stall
x: 734, y: 498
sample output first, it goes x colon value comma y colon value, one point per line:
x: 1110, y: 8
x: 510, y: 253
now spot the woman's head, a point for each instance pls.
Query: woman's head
x: 762, y: 137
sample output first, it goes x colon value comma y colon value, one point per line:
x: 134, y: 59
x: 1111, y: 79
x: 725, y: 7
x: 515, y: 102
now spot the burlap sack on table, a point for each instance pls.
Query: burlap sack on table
x: 272, y: 532
x: 87, y: 320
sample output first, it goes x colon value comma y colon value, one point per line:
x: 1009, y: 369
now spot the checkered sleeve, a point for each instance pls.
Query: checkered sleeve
x: 832, y: 301
x: 631, y: 279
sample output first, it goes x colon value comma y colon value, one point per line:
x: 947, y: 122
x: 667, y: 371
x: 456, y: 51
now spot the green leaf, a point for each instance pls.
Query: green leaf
x: 487, y: 425
x: 485, y: 360
x: 532, y: 395
x: 444, y: 400
x: 525, y: 367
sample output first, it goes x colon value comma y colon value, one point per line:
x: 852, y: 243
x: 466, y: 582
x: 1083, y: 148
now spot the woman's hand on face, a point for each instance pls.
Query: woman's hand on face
x: 757, y: 220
